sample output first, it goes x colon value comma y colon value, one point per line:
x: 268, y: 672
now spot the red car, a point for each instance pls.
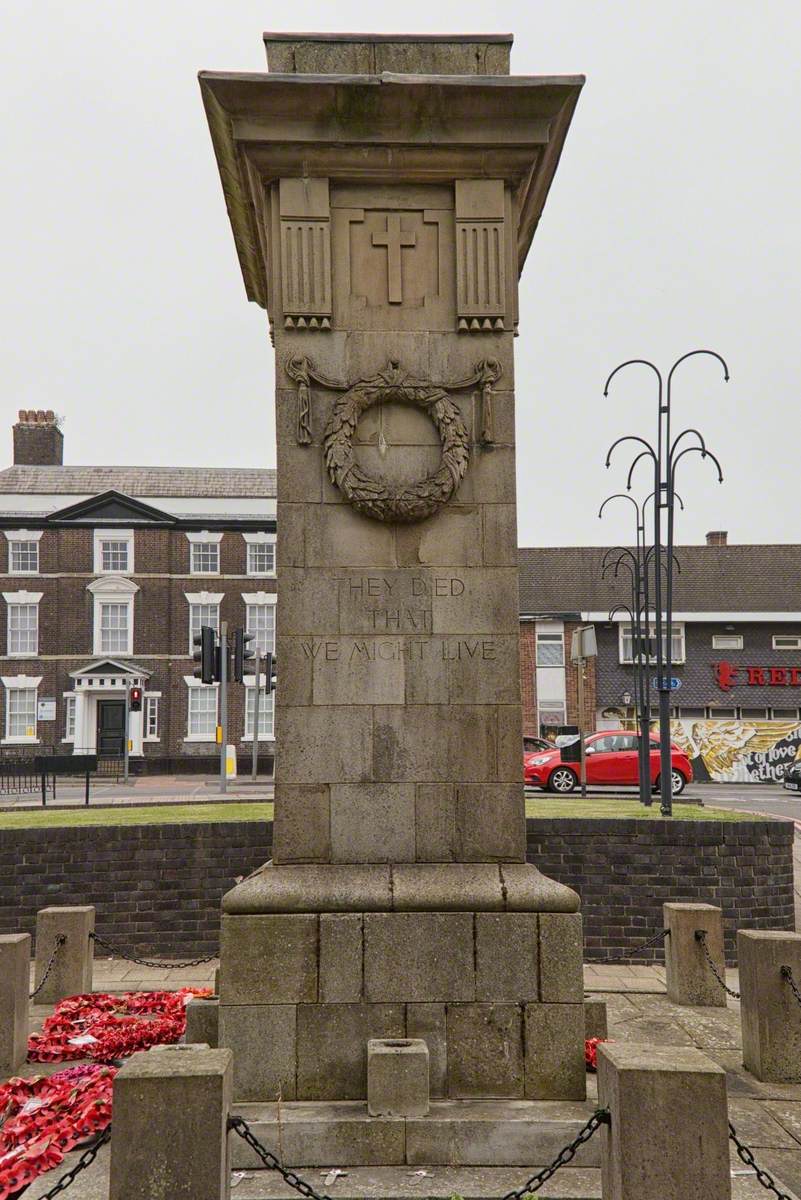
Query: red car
x: 612, y: 760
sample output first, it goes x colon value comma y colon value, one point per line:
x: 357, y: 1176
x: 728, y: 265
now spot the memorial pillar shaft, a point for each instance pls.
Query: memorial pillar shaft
x: 383, y: 195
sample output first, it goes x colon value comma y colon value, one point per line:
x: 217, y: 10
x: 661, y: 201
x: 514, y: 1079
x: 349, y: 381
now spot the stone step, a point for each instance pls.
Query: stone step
x: 473, y: 1133
x: 438, y: 1183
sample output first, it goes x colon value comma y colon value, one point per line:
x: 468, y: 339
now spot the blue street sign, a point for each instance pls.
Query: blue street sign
x: 675, y: 684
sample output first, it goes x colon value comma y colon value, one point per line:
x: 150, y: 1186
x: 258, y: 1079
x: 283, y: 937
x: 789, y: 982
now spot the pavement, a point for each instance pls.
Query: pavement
x: 766, y: 1116
x: 147, y: 789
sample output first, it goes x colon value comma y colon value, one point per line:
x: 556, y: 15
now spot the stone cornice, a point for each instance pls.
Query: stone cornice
x: 436, y: 127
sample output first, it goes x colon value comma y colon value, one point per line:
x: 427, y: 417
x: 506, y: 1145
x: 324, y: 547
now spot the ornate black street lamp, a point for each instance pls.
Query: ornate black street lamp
x: 665, y: 458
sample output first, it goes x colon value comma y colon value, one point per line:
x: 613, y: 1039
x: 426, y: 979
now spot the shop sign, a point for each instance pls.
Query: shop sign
x: 728, y: 676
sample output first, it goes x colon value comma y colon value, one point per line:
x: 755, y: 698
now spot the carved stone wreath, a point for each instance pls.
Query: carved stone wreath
x: 376, y: 497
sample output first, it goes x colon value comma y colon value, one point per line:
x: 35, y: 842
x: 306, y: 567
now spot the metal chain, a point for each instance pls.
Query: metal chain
x: 60, y: 940
x: 787, y: 974
x: 663, y: 933
x: 700, y: 936
x: 599, y: 1117
x: 148, y: 962
x: 748, y: 1158
x: 87, y: 1158
x: 240, y: 1126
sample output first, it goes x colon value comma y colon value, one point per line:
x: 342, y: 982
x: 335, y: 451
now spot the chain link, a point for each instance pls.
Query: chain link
x: 747, y: 1157
x: 599, y: 1117
x: 663, y: 933
x: 87, y: 1158
x: 700, y: 936
x: 240, y: 1126
x: 159, y: 964
x: 60, y: 940
x: 787, y: 974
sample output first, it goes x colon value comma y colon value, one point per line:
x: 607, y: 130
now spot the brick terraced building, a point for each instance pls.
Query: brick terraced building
x: 106, y: 574
x: 736, y: 648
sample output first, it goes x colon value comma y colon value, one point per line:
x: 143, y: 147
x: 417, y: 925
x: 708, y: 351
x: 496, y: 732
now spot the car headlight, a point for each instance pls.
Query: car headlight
x: 538, y: 762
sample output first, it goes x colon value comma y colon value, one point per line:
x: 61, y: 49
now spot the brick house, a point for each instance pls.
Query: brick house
x: 736, y: 648
x: 106, y: 574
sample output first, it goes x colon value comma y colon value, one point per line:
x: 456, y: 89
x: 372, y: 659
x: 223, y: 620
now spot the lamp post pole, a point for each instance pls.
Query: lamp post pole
x: 665, y: 458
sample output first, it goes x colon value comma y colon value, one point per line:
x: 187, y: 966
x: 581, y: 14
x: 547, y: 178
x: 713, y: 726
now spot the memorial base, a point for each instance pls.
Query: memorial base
x: 486, y: 1133
x: 478, y: 961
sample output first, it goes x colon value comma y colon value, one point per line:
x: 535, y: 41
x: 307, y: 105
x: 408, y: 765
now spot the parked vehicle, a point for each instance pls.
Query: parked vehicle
x: 612, y: 761
x: 532, y: 744
x: 792, y: 777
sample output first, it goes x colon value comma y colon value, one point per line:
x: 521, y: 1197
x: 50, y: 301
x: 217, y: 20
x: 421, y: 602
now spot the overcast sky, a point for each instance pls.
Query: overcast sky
x: 673, y: 223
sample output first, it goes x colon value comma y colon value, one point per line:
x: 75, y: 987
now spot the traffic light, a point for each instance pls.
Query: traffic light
x: 271, y: 672
x: 135, y: 700
x: 242, y: 653
x: 204, y: 654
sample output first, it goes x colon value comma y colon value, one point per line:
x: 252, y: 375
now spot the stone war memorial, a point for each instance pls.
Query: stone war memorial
x: 383, y: 194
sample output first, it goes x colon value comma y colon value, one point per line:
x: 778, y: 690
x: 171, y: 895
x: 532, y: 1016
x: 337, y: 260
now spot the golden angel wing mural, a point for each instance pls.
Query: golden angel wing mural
x: 740, y: 751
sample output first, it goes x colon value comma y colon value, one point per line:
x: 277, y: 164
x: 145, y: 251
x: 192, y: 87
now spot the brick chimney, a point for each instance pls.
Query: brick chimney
x: 717, y: 537
x: 38, y: 441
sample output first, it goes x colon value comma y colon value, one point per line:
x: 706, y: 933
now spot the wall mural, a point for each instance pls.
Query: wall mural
x: 739, y: 751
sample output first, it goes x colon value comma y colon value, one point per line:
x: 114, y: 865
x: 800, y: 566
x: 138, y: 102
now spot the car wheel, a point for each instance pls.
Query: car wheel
x: 562, y: 780
x: 677, y: 782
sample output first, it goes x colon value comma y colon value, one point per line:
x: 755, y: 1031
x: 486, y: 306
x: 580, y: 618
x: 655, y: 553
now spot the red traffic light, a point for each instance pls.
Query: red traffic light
x: 135, y: 699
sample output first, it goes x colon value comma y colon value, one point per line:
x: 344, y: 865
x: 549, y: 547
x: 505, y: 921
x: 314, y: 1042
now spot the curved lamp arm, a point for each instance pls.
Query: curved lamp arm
x: 630, y: 362
x: 630, y: 437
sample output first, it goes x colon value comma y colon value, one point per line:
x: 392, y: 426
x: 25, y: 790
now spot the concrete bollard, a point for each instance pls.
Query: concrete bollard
x: 203, y: 1021
x: 170, y: 1130
x: 595, y: 1022
x: 15, y: 982
x: 689, y: 977
x: 668, y: 1136
x: 770, y: 1013
x: 71, y: 972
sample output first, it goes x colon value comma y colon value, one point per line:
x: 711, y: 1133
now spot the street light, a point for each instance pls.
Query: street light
x: 665, y: 459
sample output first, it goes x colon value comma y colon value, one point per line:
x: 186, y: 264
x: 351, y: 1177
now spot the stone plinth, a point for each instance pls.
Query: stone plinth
x: 71, y: 970
x: 689, y: 977
x: 770, y: 1013
x: 668, y: 1138
x: 170, y: 1139
x: 383, y: 194
x: 397, y: 1077
x: 15, y: 965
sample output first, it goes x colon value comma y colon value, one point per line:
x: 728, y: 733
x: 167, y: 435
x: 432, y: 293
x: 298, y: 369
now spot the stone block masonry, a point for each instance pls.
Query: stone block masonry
x: 157, y: 888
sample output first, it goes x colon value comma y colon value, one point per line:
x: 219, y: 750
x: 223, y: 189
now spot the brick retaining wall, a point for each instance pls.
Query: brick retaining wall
x: 624, y: 870
x: 157, y: 888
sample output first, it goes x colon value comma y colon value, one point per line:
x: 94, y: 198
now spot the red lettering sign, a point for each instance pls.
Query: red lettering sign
x: 727, y: 676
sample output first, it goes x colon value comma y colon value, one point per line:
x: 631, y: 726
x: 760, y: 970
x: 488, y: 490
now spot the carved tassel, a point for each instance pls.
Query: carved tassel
x: 304, y: 414
x: 487, y: 415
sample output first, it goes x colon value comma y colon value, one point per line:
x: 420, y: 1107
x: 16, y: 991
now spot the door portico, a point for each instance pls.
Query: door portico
x: 105, y: 680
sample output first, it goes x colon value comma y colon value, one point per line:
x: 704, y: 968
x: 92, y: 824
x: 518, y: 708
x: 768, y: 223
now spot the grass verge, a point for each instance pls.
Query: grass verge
x: 154, y: 814
x: 546, y: 805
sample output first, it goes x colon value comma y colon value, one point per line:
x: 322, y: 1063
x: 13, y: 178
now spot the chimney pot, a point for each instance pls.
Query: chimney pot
x: 38, y: 441
x: 717, y: 537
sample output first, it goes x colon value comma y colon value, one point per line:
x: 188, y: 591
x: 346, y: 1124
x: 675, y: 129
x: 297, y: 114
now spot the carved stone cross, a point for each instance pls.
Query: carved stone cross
x: 394, y: 238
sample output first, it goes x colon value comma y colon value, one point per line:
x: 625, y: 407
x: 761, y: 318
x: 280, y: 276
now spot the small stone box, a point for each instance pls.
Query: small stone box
x: 397, y: 1077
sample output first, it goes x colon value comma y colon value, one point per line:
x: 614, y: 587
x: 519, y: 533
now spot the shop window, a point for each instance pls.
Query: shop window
x: 692, y: 714
x: 786, y: 641
x: 677, y: 646
x: 721, y: 714
x: 202, y: 714
x: 754, y: 714
x: 69, y: 718
x: 784, y: 714
x: 727, y: 641
x: 550, y: 649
